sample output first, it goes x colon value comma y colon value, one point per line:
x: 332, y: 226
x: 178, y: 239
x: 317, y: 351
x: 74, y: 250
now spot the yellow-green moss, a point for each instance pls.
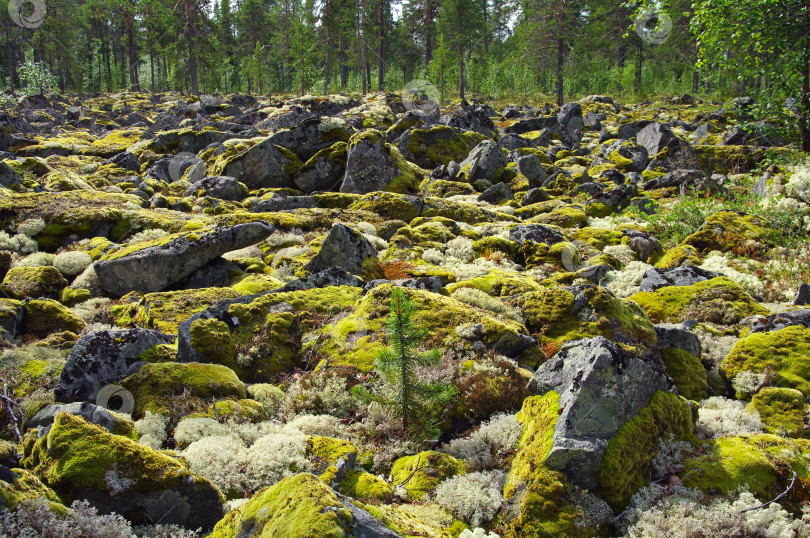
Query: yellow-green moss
x: 718, y: 300
x: 781, y: 410
x: 387, y: 205
x: 365, y: 486
x: 687, y: 371
x: 21, y: 282
x: 46, y: 316
x: 165, y: 311
x: 27, y: 486
x: 324, y: 452
x: 252, y: 284
x: 538, y: 495
x: 727, y: 231
x: 499, y: 283
x: 626, y: 462
x: 157, y: 385
x: 446, y: 144
x: 782, y: 353
x: 677, y: 256
x: 430, y: 468
x: 300, y: 506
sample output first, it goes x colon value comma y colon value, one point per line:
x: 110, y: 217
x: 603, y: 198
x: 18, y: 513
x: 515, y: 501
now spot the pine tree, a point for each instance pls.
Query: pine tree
x: 414, y: 401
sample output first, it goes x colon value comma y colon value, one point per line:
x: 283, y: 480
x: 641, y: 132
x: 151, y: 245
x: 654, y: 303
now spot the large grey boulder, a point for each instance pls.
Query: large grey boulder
x: 656, y: 137
x: 601, y: 386
x: 483, y: 162
x: 157, y: 267
x: 222, y: 187
x: 264, y: 165
x: 678, y: 336
x: 535, y: 233
x: 324, y: 171
x: 88, y: 411
x: 679, y: 276
x: 369, y: 165
x: 529, y: 166
x: 570, y: 116
x: 344, y: 248
x: 103, y: 357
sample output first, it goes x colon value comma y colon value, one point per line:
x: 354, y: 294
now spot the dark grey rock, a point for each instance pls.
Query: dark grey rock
x: 102, y: 357
x: 484, y: 161
x: 369, y: 166
x: 155, y: 268
x: 529, y: 166
x: 262, y: 166
x: 126, y: 160
x: 803, y: 295
x: 344, y: 248
x: 497, y: 193
x: 675, y: 335
x: 642, y: 243
x: 222, y: 187
x: 678, y: 276
x: 285, y: 203
x: 536, y: 233
x: 534, y: 196
x: 570, y: 116
x: 778, y: 322
x: 601, y: 387
x: 88, y: 411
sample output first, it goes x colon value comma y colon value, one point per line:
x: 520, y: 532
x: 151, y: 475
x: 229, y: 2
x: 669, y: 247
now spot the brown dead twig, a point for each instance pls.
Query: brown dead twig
x: 792, y: 482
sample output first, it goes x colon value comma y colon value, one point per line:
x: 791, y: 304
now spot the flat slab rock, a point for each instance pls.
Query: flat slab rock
x: 601, y: 386
x: 678, y: 276
x: 155, y: 268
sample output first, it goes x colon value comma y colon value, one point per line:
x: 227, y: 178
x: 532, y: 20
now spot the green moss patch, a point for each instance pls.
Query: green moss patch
x: 687, y: 371
x: 421, y: 473
x: 781, y: 410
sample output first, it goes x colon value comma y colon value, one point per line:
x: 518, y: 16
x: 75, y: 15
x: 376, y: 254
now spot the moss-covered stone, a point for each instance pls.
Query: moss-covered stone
x: 718, y: 300
x: 331, y: 457
x: 499, y: 283
x: 727, y: 231
x: 46, y: 316
x: 27, y: 486
x: 47, y: 281
x: 365, y: 486
x: 687, y: 371
x: 426, y: 470
x: 626, y: 462
x: 300, y: 506
x: 252, y: 284
x: 441, y: 144
x: 677, y: 256
x: 388, y: 205
x: 537, y: 496
x: 164, y: 311
x: 76, y: 455
x: 782, y: 354
x: 73, y: 296
x: 157, y: 385
x: 781, y: 410
x: 565, y: 217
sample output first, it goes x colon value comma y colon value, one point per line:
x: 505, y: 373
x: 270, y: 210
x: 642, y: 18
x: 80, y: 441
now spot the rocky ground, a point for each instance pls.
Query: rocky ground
x: 196, y: 289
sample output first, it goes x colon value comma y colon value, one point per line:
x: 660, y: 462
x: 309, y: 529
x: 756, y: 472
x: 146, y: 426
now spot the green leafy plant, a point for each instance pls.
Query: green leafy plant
x: 417, y: 403
x: 37, y: 78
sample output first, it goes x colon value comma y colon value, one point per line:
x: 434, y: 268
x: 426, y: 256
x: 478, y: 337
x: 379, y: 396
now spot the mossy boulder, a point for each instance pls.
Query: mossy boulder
x: 556, y: 314
x: 239, y: 411
x: 537, y: 497
x: 687, y: 371
x: 781, y: 410
x: 300, y: 506
x: 390, y: 206
x: 26, y: 486
x: 157, y: 386
x: 357, y: 338
x: 164, y: 311
x: 421, y: 473
x: 499, y: 283
x: 332, y: 458
x: 365, y: 486
x: 80, y: 460
x: 626, y: 462
x: 437, y: 145
x: 782, y: 354
x: 718, y: 300
x: 47, y: 281
x: 729, y: 231
x: 46, y: 316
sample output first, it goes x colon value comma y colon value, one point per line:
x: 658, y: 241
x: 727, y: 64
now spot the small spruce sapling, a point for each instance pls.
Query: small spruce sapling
x: 412, y: 399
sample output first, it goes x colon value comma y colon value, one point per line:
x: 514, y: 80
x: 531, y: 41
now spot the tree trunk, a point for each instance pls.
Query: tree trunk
x: 363, y: 45
x: 428, y: 36
x: 192, y: 53
x: 132, y: 52
x: 326, y: 48
x: 382, y: 12
x: 152, y: 69
x: 11, y: 63
x: 695, y: 81
x: 461, y: 71
x: 560, y: 64
x: 639, y: 65
x: 805, y: 100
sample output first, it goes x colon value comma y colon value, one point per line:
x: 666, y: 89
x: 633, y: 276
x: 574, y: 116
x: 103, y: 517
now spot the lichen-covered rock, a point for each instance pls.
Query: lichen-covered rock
x: 437, y: 145
x: 717, y: 300
x: 264, y: 164
x: 331, y: 458
x: 324, y: 170
x: 156, y: 386
x: 781, y: 410
x: 782, y: 353
x: 12, y: 314
x: 727, y: 231
x: 82, y: 461
x: 165, y: 311
x: 344, y: 248
x: 47, y: 281
x: 153, y: 265
x: 365, y: 486
x: 421, y: 473
x: 374, y: 165
x: 222, y: 187
x: 300, y: 506
x: 600, y: 387
x: 103, y: 357
x: 21, y: 485
x: 486, y: 161
x: 776, y: 322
